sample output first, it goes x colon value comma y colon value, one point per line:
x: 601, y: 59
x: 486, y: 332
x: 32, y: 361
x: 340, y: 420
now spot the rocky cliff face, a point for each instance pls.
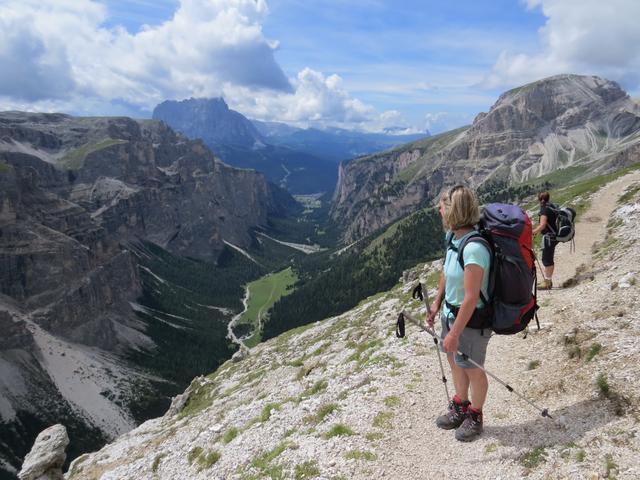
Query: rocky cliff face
x: 555, y: 123
x: 74, y: 194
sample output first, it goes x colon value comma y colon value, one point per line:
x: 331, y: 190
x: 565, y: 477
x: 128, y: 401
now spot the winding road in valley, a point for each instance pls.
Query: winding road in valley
x: 230, y: 333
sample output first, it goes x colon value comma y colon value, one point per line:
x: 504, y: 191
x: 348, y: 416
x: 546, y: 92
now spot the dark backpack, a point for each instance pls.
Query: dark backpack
x: 506, y: 231
x: 564, y: 229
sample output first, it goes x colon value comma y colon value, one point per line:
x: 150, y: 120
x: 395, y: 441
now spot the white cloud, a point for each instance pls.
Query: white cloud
x: 61, y: 48
x: 439, y: 122
x: 579, y: 36
x: 317, y: 100
x: 59, y: 55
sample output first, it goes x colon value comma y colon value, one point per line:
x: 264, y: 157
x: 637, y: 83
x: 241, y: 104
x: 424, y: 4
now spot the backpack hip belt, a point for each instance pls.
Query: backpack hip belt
x: 480, y: 319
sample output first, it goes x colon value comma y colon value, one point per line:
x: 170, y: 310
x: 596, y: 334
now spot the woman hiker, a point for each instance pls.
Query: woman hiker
x: 548, y: 218
x: 459, y: 295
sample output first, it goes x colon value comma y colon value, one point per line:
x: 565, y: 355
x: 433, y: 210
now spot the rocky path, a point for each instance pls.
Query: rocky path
x: 591, y: 228
x: 517, y: 440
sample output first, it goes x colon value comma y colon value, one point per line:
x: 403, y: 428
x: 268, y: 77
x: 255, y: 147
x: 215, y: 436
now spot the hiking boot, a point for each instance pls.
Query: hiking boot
x: 545, y: 285
x: 455, y: 414
x: 471, y: 427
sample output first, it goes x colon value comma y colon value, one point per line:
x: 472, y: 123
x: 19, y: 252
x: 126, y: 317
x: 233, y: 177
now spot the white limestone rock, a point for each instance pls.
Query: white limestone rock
x: 45, y: 460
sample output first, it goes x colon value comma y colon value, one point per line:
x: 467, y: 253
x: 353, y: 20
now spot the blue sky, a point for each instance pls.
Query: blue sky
x: 415, y: 56
x: 365, y: 64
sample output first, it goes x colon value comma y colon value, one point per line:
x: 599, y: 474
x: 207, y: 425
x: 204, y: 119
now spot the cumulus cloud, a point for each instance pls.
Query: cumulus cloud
x: 60, y: 55
x: 58, y: 49
x: 32, y: 68
x: 579, y: 36
x: 317, y: 100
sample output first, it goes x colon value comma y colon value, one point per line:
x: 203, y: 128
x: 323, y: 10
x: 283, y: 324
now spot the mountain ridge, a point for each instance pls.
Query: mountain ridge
x: 554, y: 123
x: 336, y: 144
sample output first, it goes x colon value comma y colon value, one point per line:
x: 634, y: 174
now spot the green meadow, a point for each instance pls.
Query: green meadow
x: 263, y: 293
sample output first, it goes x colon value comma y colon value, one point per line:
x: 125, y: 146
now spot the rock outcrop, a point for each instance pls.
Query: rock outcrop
x: 559, y: 122
x: 46, y: 458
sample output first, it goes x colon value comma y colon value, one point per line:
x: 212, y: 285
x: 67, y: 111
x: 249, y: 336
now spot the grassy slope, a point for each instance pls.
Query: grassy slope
x: 331, y: 284
x: 570, y: 187
x: 429, y: 146
x: 74, y: 159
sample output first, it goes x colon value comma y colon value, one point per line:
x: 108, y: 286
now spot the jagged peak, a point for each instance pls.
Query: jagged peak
x: 215, y: 102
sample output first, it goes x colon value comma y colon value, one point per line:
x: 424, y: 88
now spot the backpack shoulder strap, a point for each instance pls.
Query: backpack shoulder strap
x: 448, y: 245
x: 448, y: 242
x: 475, y: 237
x: 555, y: 209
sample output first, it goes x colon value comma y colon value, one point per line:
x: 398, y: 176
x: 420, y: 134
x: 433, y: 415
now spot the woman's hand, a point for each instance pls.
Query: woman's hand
x: 450, y: 343
x: 431, y: 314
x: 539, y: 228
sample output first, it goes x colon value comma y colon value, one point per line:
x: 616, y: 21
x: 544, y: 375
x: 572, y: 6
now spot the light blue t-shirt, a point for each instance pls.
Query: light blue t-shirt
x: 474, y: 253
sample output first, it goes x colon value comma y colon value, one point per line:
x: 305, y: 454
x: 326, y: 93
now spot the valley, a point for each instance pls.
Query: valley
x: 302, y: 161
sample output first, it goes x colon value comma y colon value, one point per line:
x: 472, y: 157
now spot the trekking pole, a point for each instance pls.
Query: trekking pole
x: 540, y: 268
x: 417, y: 293
x: 543, y: 411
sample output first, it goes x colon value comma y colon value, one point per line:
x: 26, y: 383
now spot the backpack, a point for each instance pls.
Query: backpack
x: 564, y: 229
x: 506, y: 231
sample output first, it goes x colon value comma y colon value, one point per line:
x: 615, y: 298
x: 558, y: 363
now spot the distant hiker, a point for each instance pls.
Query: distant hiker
x: 460, y: 292
x: 548, y: 218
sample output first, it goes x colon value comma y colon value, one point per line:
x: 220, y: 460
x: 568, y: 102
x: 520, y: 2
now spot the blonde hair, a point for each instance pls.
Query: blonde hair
x: 461, y: 208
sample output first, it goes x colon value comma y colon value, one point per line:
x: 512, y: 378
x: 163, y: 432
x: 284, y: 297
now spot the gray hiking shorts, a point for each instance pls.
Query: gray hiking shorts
x: 472, y: 342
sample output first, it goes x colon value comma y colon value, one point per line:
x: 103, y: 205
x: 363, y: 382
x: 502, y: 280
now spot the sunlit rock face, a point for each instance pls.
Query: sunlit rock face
x: 555, y: 123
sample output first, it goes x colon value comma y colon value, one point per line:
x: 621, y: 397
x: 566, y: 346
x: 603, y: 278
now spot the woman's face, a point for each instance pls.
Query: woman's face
x: 441, y: 208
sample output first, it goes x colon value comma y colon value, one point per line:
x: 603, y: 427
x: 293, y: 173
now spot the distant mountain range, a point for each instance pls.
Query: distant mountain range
x: 336, y: 144
x: 300, y: 160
